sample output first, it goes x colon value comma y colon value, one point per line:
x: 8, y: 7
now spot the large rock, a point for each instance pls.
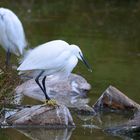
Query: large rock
x: 113, y: 99
x: 70, y: 92
x: 42, y: 115
x: 75, y: 85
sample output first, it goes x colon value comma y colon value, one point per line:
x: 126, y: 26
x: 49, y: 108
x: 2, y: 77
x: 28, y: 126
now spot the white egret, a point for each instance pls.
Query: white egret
x: 54, y: 58
x: 12, y: 37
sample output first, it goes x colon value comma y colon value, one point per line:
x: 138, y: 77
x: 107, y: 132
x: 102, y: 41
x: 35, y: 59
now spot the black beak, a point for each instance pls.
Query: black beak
x: 85, y: 62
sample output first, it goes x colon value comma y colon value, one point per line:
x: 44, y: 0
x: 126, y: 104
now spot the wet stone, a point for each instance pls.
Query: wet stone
x: 75, y: 86
x: 71, y: 92
x: 113, y: 99
x: 42, y: 115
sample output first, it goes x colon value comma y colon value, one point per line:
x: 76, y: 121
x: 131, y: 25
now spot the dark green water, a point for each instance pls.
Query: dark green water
x: 108, y: 32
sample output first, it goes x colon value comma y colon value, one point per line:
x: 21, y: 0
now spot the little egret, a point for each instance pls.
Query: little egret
x: 12, y: 37
x: 54, y: 58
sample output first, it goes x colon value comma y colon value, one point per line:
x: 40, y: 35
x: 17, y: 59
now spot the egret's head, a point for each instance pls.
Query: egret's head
x: 78, y: 53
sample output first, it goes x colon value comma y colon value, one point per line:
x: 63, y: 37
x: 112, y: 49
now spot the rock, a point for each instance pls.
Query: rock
x: 75, y: 85
x: 113, y: 99
x: 69, y: 92
x: 135, y: 121
x: 130, y: 129
x: 42, y: 115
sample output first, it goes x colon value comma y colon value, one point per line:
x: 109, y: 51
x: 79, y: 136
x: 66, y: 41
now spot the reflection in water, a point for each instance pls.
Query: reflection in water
x: 44, y: 133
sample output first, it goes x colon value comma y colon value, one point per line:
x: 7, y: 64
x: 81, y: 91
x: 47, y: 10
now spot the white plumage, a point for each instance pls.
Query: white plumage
x: 12, y: 37
x: 53, y: 58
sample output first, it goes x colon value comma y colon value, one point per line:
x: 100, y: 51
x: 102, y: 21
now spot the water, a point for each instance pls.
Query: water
x: 108, y: 34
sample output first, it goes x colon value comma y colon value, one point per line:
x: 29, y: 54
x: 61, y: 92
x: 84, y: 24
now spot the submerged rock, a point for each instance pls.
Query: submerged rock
x: 130, y: 129
x: 42, y: 115
x: 113, y: 99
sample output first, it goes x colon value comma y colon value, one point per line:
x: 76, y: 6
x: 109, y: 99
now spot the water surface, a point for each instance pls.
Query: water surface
x: 108, y: 33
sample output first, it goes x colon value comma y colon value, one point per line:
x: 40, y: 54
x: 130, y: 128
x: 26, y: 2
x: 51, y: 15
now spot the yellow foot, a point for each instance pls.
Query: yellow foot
x: 51, y: 102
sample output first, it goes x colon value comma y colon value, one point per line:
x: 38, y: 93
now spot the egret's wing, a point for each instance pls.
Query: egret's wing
x: 47, y: 56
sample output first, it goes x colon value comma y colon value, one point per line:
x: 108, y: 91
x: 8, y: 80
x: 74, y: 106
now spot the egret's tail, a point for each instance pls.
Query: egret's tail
x: 25, y: 54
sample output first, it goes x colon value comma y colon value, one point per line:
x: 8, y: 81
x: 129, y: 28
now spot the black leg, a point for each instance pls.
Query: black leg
x: 8, y: 55
x: 37, y: 80
x: 43, y: 81
x: 44, y: 87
